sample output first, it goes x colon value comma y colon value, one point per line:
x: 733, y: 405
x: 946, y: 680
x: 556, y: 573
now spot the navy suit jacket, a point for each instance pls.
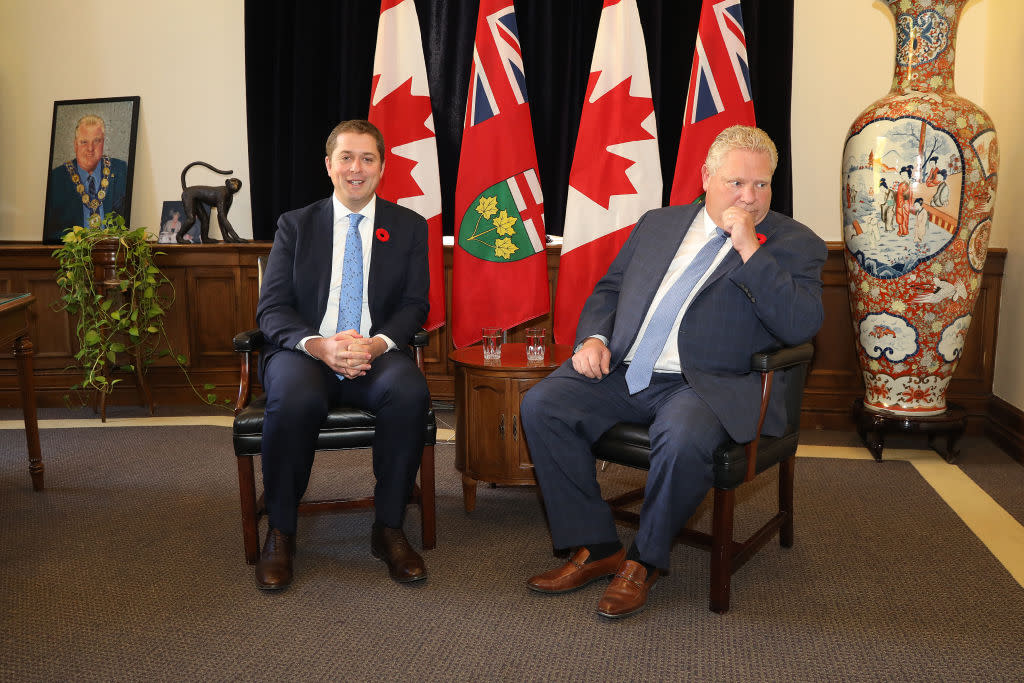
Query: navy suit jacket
x: 293, y: 297
x: 64, y: 204
x: 772, y: 300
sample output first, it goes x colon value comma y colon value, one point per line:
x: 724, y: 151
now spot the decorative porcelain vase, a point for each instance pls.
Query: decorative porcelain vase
x: 918, y: 189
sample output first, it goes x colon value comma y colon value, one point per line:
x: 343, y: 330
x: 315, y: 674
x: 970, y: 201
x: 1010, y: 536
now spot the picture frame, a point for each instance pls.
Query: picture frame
x: 171, y: 225
x: 90, y: 140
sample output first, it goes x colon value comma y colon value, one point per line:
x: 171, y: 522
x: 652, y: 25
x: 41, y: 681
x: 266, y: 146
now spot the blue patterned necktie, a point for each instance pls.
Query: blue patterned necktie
x: 638, y: 374
x: 350, y: 301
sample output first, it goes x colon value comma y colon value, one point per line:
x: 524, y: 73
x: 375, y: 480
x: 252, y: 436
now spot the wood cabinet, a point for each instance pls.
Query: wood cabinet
x: 489, y: 441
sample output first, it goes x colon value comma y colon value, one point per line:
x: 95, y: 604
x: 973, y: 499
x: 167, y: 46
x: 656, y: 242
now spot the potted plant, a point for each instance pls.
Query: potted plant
x: 110, y: 283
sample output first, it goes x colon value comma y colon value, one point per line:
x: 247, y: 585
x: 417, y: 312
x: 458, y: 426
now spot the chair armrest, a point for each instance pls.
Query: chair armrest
x: 420, y: 339
x: 767, y: 361
x: 250, y: 340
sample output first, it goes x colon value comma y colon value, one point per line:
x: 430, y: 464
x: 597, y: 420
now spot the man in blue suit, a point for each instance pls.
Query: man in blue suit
x: 757, y: 287
x: 83, y: 190
x: 334, y: 339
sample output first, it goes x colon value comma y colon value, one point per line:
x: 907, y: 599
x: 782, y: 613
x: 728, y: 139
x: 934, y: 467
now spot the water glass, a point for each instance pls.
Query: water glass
x: 535, y: 347
x: 492, y: 343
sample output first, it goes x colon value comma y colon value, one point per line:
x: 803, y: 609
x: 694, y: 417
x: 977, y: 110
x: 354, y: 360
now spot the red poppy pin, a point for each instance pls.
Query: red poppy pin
x: 382, y: 234
x: 761, y: 238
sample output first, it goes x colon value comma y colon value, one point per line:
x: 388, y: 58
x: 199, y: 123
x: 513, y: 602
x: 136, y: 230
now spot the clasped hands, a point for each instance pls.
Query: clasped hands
x: 347, y: 353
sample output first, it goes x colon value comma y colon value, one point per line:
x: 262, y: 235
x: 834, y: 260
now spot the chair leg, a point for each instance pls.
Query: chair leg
x: 428, y: 505
x: 247, y: 495
x: 721, y: 549
x: 786, y: 468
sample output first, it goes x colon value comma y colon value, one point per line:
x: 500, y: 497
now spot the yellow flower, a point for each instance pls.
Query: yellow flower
x: 504, y: 248
x: 487, y: 206
x: 899, y: 306
x: 504, y: 223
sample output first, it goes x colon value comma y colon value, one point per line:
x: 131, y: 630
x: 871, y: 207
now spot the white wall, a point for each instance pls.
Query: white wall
x: 185, y: 58
x: 191, y: 76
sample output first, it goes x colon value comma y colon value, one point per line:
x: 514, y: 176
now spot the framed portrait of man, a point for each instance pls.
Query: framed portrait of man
x: 91, y: 164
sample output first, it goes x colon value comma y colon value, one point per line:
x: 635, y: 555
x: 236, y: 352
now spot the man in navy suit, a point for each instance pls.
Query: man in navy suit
x: 759, y: 288
x: 83, y: 190
x: 313, y: 359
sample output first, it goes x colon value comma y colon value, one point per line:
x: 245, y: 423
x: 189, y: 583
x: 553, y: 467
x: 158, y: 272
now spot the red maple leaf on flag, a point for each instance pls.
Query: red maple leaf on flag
x: 402, y: 117
x: 615, y: 118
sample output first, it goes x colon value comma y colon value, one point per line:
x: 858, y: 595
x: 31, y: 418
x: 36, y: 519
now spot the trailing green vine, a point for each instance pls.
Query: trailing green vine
x: 120, y: 323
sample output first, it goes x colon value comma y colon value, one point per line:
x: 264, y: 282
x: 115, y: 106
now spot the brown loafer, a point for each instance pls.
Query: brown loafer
x: 274, y: 568
x: 576, y: 573
x: 627, y: 592
x: 404, y: 564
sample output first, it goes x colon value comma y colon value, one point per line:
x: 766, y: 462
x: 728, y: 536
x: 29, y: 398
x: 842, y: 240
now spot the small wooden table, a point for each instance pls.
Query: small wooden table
x: 14, y: 330
x: 489, y: 441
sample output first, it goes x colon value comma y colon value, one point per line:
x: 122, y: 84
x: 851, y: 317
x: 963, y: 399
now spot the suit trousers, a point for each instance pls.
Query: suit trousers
x: 300, y: 390
x: 566, y: 412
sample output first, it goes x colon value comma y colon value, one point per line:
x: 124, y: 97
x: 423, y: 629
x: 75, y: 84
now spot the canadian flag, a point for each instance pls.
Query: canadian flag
x: 400, y: 108
x: 616, y: 171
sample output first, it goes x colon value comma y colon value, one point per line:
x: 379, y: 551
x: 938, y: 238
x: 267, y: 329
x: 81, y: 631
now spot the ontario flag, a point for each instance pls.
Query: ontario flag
x: 718, y: 96
x: 616, y: 171
x: 499, y: 268
x: 400, y: 108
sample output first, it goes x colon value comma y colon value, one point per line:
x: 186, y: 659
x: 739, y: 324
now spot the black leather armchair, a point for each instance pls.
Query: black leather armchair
x: 345, y: 428
x: 734, y: 464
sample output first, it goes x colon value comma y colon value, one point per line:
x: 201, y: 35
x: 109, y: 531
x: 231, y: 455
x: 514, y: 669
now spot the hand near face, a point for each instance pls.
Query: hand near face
x: 740, y: 225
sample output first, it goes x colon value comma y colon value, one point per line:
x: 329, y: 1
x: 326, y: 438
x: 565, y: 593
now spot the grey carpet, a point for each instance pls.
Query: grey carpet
x: 129, y: 567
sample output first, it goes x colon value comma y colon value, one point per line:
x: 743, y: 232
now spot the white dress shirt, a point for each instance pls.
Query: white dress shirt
x: 329, y: 324
x: 701, y: 230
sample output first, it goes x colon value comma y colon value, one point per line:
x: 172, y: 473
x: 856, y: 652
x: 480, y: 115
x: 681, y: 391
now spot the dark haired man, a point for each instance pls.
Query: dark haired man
x: 344, y: 291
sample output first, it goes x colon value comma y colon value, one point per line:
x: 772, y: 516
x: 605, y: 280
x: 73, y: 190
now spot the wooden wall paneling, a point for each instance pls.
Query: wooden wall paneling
x: 176, y: 320
x: 217, y: 294
x: 215, y: 314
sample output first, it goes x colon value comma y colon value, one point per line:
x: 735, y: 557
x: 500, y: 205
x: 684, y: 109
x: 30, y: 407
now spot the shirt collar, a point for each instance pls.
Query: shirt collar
x: 341, y: 212
x: 709, y: 225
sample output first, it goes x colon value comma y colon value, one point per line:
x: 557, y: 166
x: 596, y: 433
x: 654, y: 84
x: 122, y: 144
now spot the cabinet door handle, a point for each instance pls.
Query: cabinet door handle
x: 515, y: 428
x: 501, y: 427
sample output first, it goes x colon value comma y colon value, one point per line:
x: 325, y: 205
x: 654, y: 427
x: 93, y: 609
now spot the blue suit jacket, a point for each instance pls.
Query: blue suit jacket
x: 293, y: 297
x: 64, y: 204
x: 772, y: 300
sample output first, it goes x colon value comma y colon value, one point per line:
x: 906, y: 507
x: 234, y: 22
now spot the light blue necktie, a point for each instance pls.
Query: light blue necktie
x: 350, y: 301
x: 638, y: 374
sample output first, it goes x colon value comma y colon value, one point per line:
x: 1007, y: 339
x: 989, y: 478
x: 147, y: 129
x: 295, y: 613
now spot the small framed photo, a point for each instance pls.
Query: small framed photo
x: 91, y: 164
x: 171, y: 219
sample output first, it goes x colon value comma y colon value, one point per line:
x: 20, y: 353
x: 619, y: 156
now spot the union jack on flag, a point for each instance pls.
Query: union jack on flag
x: 704, y: 98
x: 718, y: 96
x: 497, y: 79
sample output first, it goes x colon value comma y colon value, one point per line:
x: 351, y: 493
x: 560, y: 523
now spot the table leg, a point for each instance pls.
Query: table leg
x: 26, y: 380
x: 468, y: 493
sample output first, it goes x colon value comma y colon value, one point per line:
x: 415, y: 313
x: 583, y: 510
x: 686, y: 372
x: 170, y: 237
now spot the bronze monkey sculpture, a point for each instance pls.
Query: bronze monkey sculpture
x: 198, y: 199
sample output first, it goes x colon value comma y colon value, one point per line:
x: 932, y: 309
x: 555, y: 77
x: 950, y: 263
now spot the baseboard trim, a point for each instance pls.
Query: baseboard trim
x: 1006, y: 427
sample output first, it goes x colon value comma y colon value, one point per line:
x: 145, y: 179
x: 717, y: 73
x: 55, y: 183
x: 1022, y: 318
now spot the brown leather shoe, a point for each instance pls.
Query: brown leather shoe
x: 575, y: 573
x: 404, y: 564
x: 627, y: 592
x: 274, y: 568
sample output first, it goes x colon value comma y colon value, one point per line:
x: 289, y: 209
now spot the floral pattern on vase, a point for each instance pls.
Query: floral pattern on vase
x: 919, y: 179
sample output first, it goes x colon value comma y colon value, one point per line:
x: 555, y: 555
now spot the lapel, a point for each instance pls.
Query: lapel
x: 378, y: 259
x: 322, y: 244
